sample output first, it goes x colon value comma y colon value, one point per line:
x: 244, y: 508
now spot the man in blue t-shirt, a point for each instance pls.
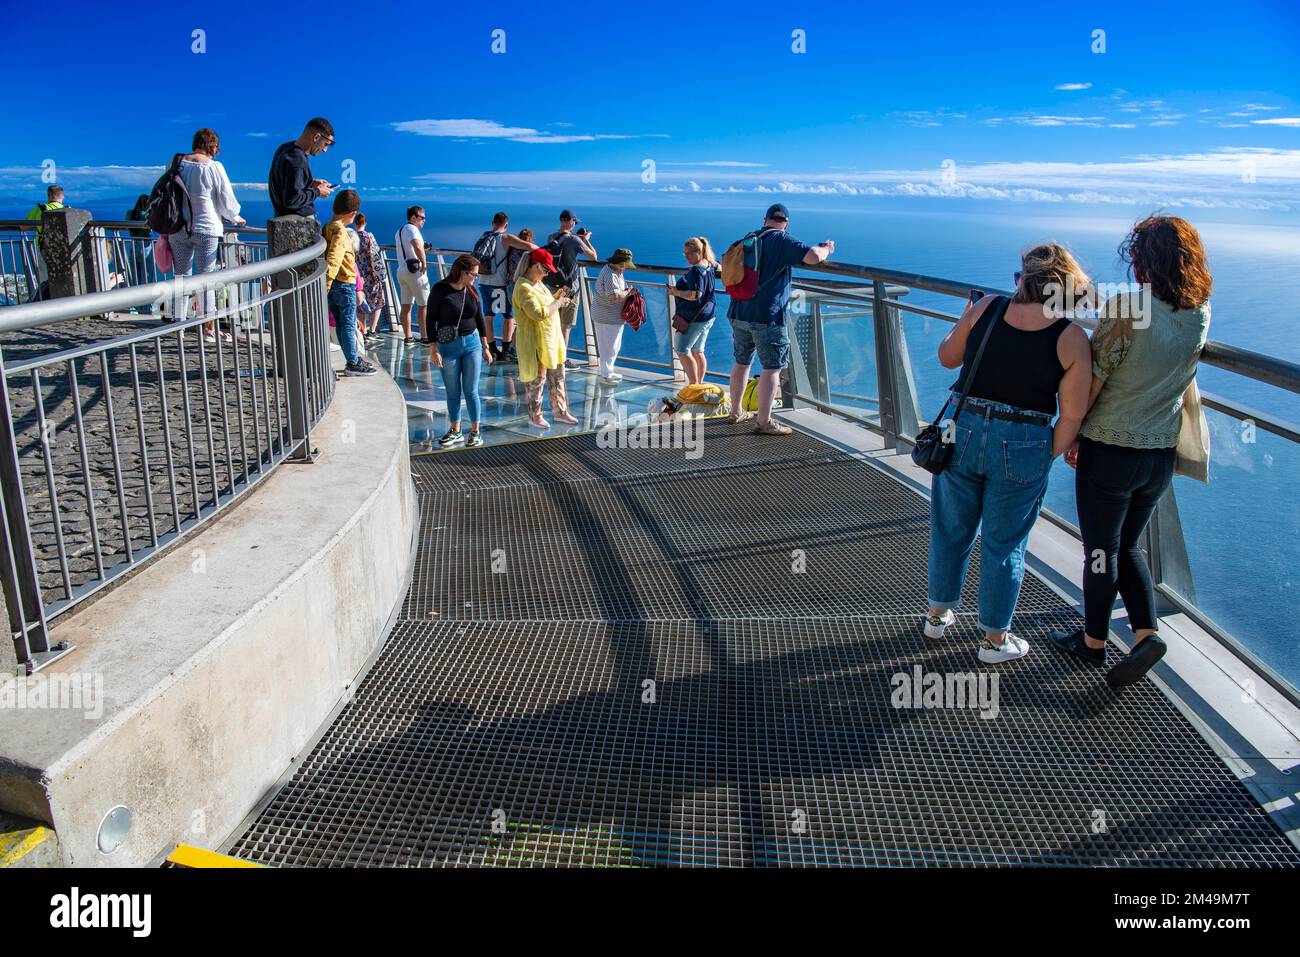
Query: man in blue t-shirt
x: 758, y: 324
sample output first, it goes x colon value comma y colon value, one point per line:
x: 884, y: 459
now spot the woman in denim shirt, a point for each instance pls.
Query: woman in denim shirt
x: 1004, y: 440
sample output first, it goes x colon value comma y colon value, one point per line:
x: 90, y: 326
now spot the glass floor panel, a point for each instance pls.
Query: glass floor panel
x: 505, y: 407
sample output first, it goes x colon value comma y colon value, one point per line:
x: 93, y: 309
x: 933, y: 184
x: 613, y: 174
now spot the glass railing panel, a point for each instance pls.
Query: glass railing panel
x: 848, y: 345
x: 1243, y: 539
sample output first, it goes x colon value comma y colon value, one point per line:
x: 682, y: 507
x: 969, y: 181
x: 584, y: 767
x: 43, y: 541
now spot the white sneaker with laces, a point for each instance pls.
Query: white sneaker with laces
x: 1012, y: 647
x: 935, y: 625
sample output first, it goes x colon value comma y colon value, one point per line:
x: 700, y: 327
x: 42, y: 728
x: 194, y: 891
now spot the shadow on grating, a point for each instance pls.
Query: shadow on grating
x: 615, y: 691
x: 758, y: 743
x: 575, y: 458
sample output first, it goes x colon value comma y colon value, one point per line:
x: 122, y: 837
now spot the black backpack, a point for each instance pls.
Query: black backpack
x: 168, y: 200
x: 559, y: 279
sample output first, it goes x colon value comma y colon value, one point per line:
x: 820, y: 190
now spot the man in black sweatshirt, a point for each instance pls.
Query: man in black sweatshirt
x: 290, y: 185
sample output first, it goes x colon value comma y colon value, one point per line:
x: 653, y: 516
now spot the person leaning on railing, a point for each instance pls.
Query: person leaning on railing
x: 1004, y: 441
x: 290, y: 186
x: 1144, y: 357
x: 196, y: 245
x: 539, y: 339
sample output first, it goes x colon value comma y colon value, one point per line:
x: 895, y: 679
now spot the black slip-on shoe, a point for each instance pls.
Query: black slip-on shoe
x: 1072, y: 643
x: 1137, y: 662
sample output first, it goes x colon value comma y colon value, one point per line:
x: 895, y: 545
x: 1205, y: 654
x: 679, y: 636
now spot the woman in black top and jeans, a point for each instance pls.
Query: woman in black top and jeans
x: 455, y: 318
x: 1004, y: 440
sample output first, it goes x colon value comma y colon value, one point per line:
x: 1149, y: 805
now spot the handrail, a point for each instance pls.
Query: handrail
x: 136, y: 224
x: 161, y: 413
x: 31, y: 314
x: 1254, y: 365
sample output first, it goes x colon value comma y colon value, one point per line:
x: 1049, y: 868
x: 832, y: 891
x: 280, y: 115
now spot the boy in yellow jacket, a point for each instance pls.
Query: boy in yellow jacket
x: 341, y: 275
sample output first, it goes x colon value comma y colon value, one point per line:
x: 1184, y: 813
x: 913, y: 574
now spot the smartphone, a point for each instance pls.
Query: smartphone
x: 976, y: 295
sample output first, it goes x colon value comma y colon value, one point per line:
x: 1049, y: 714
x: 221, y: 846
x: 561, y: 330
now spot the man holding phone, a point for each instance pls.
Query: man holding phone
x: 290, y: 186
x: 565, y: 246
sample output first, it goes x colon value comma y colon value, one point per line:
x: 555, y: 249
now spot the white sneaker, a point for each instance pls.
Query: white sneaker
x: 935, y: 626
x: 1012, y: 648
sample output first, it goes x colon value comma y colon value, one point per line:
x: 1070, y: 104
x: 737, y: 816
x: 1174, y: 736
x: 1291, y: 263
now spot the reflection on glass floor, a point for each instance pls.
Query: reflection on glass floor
x: 505, y: 406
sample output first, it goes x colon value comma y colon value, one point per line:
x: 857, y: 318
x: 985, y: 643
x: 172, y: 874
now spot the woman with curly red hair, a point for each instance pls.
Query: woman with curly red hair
x: 1144, y: 356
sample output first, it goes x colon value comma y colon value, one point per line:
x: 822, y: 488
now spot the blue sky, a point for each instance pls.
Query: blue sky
x: 1190, y: 105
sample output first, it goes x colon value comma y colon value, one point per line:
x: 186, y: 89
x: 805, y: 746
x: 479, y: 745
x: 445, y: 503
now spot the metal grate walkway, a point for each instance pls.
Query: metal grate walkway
x: 610, y: 658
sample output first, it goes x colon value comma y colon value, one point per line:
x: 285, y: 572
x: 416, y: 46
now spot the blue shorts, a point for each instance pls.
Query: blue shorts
x: 692, y: 340
x: 770, y: 341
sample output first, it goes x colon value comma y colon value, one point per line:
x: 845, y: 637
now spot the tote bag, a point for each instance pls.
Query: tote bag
x: 1192, y: 457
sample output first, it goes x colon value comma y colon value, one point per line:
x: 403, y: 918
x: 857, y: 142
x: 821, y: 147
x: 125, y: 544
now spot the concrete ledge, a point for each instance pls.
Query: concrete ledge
x: 201, y: 679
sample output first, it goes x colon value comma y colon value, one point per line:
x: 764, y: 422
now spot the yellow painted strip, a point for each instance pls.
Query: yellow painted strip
x: 187, y: 856
x: 15, y: 845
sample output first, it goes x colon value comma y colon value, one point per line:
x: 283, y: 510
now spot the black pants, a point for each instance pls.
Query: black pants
x: 1116, y: 490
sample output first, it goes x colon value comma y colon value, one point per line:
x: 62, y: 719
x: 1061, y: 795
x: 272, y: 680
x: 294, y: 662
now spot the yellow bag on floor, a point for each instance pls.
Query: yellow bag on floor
x: 749, y: 398
x: 698, y: 401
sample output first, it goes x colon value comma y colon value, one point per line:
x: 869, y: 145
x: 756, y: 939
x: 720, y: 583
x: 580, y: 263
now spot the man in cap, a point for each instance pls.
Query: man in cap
x: 759, y: 324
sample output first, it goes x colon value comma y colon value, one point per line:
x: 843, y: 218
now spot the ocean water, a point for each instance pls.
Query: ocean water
x: 1242, y: 530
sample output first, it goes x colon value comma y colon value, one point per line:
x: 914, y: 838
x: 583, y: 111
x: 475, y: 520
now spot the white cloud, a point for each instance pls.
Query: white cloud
x: 1073, y: 86
x: 1279, y: 121
x: 1211, y: 179
x: 491, y: 129
x: 737, y: 163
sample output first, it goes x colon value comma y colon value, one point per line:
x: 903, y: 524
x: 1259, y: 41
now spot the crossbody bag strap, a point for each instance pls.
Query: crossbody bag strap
x: 999, y: 310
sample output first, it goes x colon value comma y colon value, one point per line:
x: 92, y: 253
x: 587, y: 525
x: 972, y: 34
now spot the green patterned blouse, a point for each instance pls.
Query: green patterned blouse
x: 1145, y: 351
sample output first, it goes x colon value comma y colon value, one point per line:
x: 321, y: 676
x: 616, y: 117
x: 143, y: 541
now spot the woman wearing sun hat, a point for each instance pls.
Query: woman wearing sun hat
x: 538, y: 339
x: 607, y: 312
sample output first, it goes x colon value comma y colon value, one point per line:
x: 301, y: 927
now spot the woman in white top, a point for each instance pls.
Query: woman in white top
x: 607, y: 312
x: 195, y: 251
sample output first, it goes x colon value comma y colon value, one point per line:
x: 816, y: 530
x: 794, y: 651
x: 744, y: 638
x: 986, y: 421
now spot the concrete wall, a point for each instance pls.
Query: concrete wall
x: 220, y: 661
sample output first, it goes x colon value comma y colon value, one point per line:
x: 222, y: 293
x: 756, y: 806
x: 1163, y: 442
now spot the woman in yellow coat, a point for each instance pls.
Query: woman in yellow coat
x: 538, y: 339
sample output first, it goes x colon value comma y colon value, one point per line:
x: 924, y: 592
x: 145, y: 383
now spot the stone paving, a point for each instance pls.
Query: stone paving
x: 250, y: 408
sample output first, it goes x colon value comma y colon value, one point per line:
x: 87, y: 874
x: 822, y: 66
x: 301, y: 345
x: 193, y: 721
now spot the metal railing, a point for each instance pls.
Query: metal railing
x: 116, y: 440
x: 20, y: 265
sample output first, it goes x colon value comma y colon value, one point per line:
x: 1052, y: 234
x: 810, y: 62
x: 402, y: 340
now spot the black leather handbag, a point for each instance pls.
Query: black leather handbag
x: 931, y: 452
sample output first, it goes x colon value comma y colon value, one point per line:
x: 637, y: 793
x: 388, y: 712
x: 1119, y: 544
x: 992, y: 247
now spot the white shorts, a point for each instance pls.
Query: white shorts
x: 414, y: 288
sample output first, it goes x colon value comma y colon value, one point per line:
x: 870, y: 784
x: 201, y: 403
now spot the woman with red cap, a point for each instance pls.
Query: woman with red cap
x: 538, y: 339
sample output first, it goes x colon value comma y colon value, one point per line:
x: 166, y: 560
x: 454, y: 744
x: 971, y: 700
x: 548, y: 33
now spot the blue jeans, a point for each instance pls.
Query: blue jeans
x: 343, y: 300
x: 462, y: 360
x: 994, y: 484
x: 770, y: 341
x: 693, y: 339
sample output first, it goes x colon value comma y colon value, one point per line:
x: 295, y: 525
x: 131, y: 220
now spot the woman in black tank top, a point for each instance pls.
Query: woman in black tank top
x: 1004, y: 441
x: 1019, y: 367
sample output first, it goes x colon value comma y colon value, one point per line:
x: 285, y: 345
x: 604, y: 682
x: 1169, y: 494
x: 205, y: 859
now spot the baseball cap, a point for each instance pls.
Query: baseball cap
x: 777, y: 211
x: 569, y: 214
x: 540, y: 255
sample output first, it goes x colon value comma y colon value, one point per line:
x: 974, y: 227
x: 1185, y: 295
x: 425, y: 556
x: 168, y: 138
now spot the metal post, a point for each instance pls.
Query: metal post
x: 588, y: 330
x: 884, y: 363
x: 1167, y: 552
x: 21, y: 586
x: 286, y: 234
x: 818, y: 378
x: 678, y: 372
